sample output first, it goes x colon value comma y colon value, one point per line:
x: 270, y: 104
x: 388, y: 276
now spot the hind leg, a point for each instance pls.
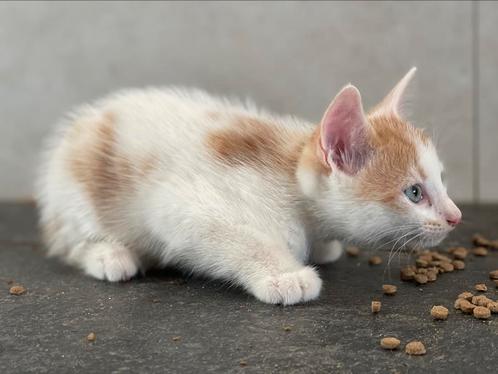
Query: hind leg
x: 105, y: 260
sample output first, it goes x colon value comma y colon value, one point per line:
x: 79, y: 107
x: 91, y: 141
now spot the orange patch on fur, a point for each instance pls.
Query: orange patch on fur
x: 106, y: 174
x: 253, y: 142
x: 393, y: 162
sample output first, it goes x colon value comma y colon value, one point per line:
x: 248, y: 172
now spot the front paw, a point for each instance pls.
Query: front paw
x: 289, y: 288
x: 327, y: 252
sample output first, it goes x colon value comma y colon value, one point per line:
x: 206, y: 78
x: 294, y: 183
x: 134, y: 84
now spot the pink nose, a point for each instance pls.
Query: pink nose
x: 454, y: 218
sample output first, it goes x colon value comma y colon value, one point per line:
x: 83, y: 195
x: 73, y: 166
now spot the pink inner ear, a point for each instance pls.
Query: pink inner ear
x: 344, y: 131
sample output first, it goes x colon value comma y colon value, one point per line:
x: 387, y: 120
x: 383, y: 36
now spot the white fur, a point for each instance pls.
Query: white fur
x: 230, y: 223
x: 254, y: 228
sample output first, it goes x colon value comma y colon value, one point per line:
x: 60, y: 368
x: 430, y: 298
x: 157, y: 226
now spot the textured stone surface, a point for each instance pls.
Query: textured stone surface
x: 45, y: 330
x: 290, y: 57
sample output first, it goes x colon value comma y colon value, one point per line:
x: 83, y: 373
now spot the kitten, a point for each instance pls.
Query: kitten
x: 174, y: 177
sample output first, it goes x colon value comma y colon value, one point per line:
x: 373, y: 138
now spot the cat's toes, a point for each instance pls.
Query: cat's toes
x: 289, y: 288
x: 110, y: 262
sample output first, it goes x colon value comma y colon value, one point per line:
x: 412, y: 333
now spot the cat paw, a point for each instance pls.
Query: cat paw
x: 110, y: 261
x: 327, y: 252
x: 289, y: 288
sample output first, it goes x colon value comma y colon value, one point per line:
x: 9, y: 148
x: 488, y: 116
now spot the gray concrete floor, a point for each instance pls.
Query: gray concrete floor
x: 135, y: 322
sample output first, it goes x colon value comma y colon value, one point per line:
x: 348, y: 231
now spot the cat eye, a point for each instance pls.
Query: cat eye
x: 414, y: 193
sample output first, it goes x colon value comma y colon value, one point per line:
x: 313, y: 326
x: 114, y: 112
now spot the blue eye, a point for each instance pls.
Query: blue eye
x: 414, y: 193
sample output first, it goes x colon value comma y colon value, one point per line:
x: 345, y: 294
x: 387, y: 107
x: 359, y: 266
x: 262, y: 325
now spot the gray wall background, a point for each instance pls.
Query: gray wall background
x: 290, y: 57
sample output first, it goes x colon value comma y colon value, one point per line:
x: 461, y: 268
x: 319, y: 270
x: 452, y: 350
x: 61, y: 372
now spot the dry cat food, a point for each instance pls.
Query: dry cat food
x: 389, y: 289
x: 242, y: 363
x: 460, y: 253
x: 415, y: 348
x: 439, y: 312
x: 353, y: 251
x: 389, y: 343
x: 466, y: 295
x: 287, y: 328
x: 176, y: 338
x: 493, y: 306
x: 481, y: 241
x: 493, y: 274
x: 431, y: 276
x: 91, y: 337
x: 17, y: 290
x: 464, y: 305
x: 376, y: 305
x: 481, y: 300
x: 407, y: 273
x: 429, y: 264
x: 421, y: 278
x: 480, y: 251
x: 375, y: 260
x: 481, y: 287
x: 482, y: 312
x: 480, y: 306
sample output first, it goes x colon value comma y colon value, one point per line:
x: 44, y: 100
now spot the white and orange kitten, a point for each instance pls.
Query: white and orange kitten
x: 160, y: 177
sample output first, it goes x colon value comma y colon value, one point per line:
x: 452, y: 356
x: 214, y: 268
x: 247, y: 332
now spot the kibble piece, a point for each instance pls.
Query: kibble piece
x: 176, y: 338
x: 421, y: 278
x: 481, y: 287
x: 407, y: 274
x: 17, y: 290
x: 482, y: 312
x: 493, y: 306
x: 389, y: 343
x: 422, y: 271
x: 242, y: 363
x: 376, y: 305
x: 353, y: 251
x: 480, y: 240
x: 457, y: 303
x: 466, y: 306
x: 375, y: 260
x: 287, y: 328
x: 493, y: 274
x: 440, y: 257
x: 466, y: 295
x: 481, y: 300
x: 439, y: 312
x: 415, y: 348
x: 91, y: 337
x: 460, y: 253
x: 480, y: 251
x: 432, y: 275
x: 421, y: 263
x: 447, y: 267
x: 458, y: 264
x: 389, y: 289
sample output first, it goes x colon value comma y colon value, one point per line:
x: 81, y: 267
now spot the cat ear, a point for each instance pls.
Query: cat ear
x: 393, y: 102
x: 344, y: 132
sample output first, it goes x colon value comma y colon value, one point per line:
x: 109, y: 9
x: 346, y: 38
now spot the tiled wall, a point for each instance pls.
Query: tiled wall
x: 291, y: 57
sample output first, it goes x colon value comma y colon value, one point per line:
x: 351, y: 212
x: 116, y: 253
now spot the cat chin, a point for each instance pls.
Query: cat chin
x: 431, y: 241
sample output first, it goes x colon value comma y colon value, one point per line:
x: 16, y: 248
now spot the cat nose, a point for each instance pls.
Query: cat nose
x: 452, y: 214
x: 453, y: 221
x: 454, y: 217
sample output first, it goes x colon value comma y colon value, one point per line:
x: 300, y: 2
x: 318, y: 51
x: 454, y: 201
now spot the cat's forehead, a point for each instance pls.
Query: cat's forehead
x: 403, y: 155
x: 428, y: 160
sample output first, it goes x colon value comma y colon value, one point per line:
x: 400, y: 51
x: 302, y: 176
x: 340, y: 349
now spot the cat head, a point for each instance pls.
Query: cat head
x: 375, y: 177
